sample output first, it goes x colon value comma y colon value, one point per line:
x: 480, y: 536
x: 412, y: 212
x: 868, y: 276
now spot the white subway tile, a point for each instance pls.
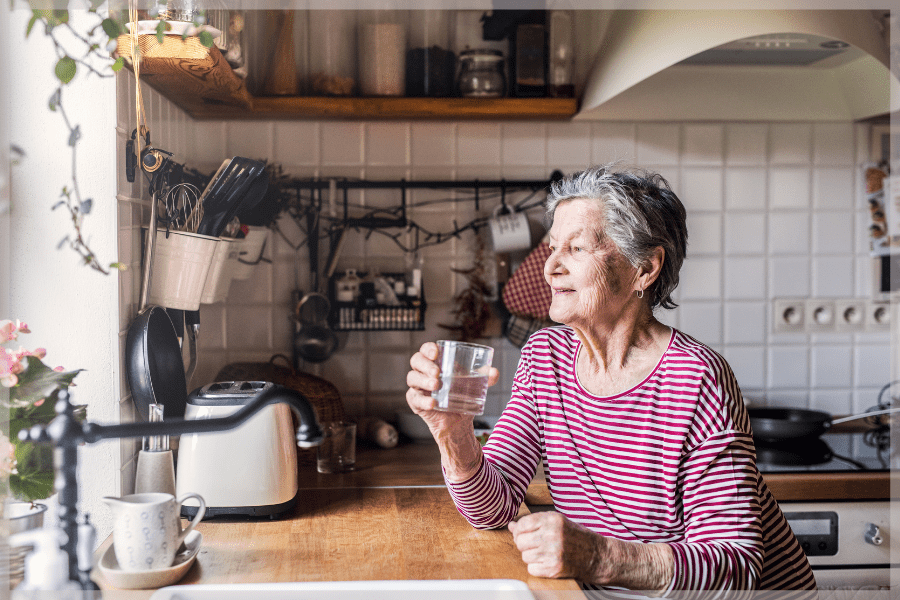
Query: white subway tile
x: 745, y: 323
x: 834, y: 402
x: 250, y: 139
x: 833, y: 188
x: 790, y: 143
x: 207, y: 143
x: 701, y: 279
x: 833, y: 232
x: 833, y: 144
x: 478, y: 144
x: 872, y: 365
x: 612, y: 142
x: 789, y: 187
x: 863, y: 277
x: 702, y: 320
x: 433, y: 144
x: 248, y: 327
x: 704, y: 233
x: 833, y: 276
x: 789, y: 233
x: 341, y: 143
x: 387, y: 144
x: 745, y: 278
x: 701, y: 188
x: 658, y: 144
x: 748, y: 363
x: 347, y: 369
x: 746, y: 143
x: 745, y: 233
x: 387, y: 371
x: 788, y: 367
x: 296, y: 143
x: 789, y: 276
x: 524, y: 144
x: 745, y: 188
x: 703, y: 144
x: 831, y: 366
x: 569, y: 143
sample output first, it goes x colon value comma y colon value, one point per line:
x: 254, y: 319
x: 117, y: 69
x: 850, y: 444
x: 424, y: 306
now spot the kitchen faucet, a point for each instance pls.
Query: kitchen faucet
x: 66, y: 433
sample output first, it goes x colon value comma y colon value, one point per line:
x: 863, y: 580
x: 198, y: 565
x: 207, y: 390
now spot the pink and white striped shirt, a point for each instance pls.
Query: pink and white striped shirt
x: 671, y: 460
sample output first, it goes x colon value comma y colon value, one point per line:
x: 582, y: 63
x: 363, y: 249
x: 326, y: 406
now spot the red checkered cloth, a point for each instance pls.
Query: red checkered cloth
x: 526, y: 292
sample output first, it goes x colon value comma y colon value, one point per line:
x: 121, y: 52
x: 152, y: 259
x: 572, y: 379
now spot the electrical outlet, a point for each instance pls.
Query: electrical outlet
x: 850, y: 315
x: 819, y: 315
x: 878, y: 316
x: 789, y: 315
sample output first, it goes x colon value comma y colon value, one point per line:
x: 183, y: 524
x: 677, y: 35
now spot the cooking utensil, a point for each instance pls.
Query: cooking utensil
x: 153, y: 364
x: 223, y: 196
x: 315, y: 341
x: 779, y: 424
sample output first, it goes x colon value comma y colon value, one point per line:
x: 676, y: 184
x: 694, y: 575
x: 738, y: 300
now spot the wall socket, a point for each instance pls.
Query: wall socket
x: 819, y: 315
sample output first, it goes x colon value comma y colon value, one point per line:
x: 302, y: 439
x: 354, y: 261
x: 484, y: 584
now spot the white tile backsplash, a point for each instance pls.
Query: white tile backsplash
x: 772, y: 213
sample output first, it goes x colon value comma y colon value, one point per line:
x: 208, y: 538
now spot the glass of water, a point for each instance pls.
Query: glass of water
x: 464, y: 377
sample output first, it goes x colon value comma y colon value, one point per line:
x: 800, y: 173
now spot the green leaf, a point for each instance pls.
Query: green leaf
x: 39, y: 381
x: 117, y: 66
x: 60, y: 16
x: 32, y: 485
x: 161, y: 32
x: 111, y: 28
x: 65, y: 69
x: 206, y: 38
x: 118, y: 266
x: 35, y: 16
x: 55, y: 99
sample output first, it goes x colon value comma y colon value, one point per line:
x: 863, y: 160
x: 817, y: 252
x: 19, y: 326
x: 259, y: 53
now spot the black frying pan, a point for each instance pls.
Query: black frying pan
x: 153, y: 364
x: 778, y: 424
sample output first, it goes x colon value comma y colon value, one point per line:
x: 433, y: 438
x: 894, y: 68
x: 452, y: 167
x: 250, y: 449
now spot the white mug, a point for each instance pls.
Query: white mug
x: 510, y: 231
x: 147, y: 529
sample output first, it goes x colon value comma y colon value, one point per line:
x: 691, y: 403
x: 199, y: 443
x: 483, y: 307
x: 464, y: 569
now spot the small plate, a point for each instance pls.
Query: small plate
x: 154, y: 578
x: 175, y: 28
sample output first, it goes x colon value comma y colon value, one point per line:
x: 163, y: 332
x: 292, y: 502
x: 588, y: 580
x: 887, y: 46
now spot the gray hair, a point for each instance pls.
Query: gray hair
x: 641, y: 213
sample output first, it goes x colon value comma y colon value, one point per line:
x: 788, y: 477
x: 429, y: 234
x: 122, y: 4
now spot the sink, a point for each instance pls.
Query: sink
x: 437, y: 589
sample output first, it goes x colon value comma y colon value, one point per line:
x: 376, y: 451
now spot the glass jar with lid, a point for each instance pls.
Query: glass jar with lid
x: 481, y: 74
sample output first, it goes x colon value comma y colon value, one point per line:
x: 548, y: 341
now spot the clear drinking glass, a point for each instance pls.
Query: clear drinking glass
x: 464, y: 377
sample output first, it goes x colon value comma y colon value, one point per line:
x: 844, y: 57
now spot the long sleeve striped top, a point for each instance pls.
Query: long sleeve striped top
x: 671, y: 460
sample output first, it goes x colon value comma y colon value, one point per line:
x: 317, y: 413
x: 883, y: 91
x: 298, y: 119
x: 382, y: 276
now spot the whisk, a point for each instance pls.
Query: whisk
x: 184, y: 211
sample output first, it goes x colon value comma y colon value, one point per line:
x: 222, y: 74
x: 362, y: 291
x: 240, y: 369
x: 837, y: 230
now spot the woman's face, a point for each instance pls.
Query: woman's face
x: 588, y: 277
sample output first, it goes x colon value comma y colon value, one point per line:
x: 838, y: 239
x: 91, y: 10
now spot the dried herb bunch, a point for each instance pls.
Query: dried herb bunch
x: 472, y: 306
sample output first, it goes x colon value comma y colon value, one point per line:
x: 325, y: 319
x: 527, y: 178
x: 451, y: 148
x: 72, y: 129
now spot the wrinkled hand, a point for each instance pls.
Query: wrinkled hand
x: 424, y: 378
x: 553, y: 546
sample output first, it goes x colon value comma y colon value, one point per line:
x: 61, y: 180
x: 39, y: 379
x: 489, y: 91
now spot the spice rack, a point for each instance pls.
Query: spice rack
x: 367, y: 314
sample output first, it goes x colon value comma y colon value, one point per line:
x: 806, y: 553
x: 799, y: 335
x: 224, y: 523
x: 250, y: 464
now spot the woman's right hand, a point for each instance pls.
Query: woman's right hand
x: 425, y: 378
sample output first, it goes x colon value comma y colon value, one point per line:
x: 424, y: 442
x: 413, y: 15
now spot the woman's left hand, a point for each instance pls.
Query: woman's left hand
x: 553, y: 546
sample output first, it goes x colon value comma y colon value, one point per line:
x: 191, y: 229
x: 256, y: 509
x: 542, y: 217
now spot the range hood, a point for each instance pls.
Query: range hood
x: 745, y: 65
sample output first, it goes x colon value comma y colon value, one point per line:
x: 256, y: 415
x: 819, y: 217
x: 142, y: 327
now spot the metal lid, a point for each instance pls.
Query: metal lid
x: 228, y: 393
x: 482, y: 54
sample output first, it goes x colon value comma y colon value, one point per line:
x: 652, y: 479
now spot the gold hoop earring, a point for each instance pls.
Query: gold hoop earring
x: 640, y: 293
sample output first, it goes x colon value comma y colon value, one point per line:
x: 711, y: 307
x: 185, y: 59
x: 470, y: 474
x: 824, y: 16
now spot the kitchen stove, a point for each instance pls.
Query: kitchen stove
x: 837, y: 500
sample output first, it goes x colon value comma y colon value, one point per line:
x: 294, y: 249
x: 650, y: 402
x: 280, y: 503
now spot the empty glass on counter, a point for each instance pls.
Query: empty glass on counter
x: 337, y: 452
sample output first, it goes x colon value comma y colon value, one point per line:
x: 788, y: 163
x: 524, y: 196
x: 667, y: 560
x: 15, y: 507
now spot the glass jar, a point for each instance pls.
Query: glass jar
x: 481, y: 74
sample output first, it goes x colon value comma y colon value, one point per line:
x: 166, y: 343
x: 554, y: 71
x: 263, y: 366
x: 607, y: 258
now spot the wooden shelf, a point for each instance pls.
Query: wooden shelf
x: 208, y: 89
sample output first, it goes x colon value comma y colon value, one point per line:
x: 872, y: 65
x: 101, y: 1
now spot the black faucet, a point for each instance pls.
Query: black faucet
x: 66, y: 433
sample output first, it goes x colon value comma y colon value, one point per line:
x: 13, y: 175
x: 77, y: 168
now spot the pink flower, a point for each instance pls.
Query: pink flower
x: 9, y: 366
x: 7, y: 331
x: 59, y: 369
x: 22, y: 326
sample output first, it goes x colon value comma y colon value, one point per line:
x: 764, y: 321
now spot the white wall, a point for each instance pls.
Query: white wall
x: 72, y: 310
x: 774, y: 210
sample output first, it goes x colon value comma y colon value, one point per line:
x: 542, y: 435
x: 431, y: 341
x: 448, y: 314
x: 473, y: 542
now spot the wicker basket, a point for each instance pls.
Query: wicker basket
x: 324, y: 397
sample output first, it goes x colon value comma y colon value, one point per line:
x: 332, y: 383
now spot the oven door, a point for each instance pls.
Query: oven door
x: 847, y: 543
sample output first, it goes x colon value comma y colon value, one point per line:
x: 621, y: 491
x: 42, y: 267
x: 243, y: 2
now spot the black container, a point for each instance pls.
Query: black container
x: 429, y: 72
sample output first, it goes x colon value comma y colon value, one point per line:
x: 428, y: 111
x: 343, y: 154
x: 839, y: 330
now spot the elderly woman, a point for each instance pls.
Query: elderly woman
x: 642, y: 429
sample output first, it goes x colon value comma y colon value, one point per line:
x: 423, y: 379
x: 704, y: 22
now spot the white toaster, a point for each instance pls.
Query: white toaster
x: 247, y: 471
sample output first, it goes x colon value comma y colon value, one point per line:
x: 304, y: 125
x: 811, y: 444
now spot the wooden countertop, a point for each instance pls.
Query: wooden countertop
x: 392, y: 518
